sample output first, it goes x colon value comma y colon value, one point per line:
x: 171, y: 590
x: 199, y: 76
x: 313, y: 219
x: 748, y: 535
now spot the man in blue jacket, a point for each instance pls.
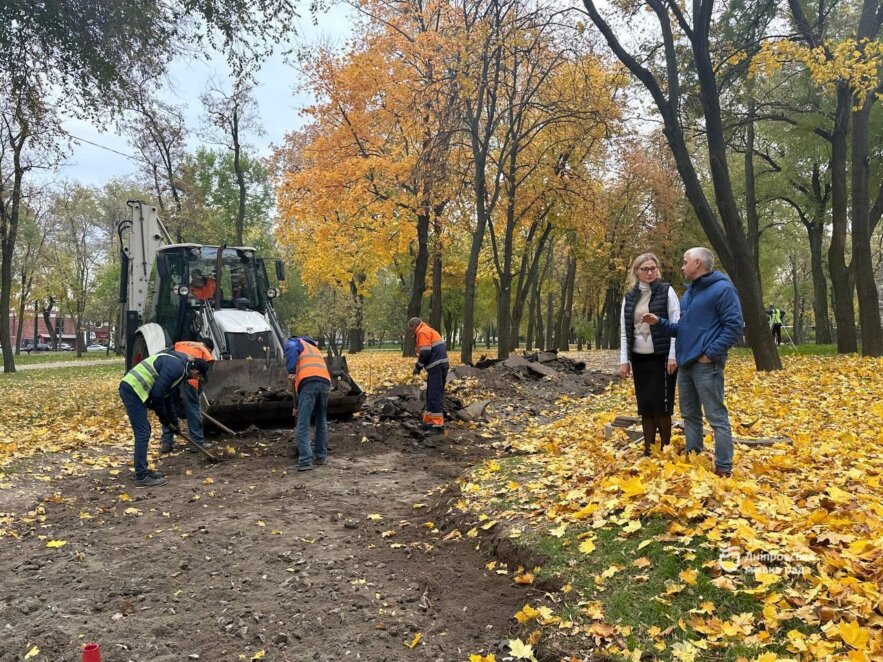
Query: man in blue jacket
x: 710, y: 323
x: 153, y: 384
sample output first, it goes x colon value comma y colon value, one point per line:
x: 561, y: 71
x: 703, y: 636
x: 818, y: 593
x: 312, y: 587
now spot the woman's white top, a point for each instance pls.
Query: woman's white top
x: 644, y: 345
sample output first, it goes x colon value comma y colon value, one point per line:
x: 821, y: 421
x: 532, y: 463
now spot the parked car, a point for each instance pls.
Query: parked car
x: 64, y: 347
x: 96, y: 348
x: 44, y: 347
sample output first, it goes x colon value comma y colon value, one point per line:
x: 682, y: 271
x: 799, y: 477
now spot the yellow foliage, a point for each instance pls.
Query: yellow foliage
x: 814, y: 502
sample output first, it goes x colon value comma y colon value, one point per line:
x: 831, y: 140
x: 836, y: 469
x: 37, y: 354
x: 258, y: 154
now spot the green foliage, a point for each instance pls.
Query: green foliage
x: 208, y: 182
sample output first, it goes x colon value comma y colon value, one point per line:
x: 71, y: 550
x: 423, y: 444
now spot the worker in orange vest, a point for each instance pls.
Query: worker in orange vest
x: 202, y: 287
x: 190, y: 391
x: 312, y: 384
x: 432, y: 356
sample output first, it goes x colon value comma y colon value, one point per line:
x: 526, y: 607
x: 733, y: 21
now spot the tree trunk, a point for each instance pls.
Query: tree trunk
x: 550, y: 323
x: 504, y: 324
x: 474, y: 254
x: 531, y: 315
x: 862, y: 260
x: 841, y: 278
x: 240, y: 179
x: 418, y: 284
x: 47, y: 310
x: 819, y: 284
x: 21, y: 326
x: 356, y: 335
x: 435, y: 308
x: 751, y: 216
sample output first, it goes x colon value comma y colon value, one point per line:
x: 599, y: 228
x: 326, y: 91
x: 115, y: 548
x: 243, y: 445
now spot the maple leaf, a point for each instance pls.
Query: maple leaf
x: 587, y: 546
x: 689, y: 576
x: 520, y: 650
x: 475, y: 657
x: 55, y: 544
x: 415, y: 641
x: 854, y: 635
x: 32, y: 653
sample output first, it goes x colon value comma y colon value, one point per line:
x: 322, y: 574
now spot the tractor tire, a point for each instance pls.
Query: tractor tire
x: 139, y: 350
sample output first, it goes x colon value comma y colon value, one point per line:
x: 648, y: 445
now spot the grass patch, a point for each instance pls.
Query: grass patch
x: 50, y: 376
x: 36, y: 358
x: 642, y: 597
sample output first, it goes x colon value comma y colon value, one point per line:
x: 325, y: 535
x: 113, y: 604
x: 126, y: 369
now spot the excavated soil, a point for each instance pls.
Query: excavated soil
x: 241, y: 556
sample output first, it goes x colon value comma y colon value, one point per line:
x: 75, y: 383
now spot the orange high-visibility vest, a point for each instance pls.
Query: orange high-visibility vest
x: 431, y: 350
x: 310, y: 363
x: 195, y: 350
x: 205, y: 291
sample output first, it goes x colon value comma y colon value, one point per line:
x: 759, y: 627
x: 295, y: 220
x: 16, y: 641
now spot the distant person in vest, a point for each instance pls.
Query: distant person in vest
x: 777, y: 318
x: 190, y: 391
x: 153, y: 384
x: 432, y: 356
x: 312, y: 384
x: 649, y: 352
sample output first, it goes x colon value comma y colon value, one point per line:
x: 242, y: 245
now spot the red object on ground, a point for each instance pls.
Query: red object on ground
x: 91, y: 653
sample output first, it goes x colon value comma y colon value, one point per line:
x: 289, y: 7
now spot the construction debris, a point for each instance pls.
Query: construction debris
x: 533, y: 382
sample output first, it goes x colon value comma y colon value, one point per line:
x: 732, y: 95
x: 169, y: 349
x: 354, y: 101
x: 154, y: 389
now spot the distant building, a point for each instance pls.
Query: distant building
x: 65, y: 328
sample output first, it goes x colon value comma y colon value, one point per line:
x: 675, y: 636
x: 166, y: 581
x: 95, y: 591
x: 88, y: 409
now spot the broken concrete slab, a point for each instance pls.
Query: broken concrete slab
x: 474, y: 412
x: 516, y: 361
x: 545, y: 357
x: 542, y: 370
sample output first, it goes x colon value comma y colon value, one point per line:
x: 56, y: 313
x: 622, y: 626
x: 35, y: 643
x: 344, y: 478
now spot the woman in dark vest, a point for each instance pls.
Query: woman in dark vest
x: 648, y: 352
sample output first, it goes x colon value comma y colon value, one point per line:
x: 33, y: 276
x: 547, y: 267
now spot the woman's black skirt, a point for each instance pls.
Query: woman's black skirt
x: 654, y: 387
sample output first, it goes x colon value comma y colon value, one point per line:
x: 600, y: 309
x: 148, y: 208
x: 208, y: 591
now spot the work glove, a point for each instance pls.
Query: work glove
x: 417, y: 369
x: 174, y: 427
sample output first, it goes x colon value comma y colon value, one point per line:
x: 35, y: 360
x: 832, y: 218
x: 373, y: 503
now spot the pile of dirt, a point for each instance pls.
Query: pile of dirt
x: 523, y: 386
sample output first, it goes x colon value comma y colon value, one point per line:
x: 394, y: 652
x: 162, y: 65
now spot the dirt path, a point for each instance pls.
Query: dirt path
x: 238, y: 557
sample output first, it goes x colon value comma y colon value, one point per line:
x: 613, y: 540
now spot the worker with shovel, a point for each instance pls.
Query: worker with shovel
x: 312, y: 384
x: 190, y: 391
x: 432, y: 356
x: 151, y: 385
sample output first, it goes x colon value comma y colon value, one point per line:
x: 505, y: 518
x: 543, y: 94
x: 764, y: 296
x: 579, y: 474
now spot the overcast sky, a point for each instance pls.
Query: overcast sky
x: 278, y: 102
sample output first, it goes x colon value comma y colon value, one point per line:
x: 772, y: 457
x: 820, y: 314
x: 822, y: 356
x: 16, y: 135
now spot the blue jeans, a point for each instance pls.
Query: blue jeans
x: 137, y: 412
x: 312, y: 400
x: 194, y: 417
x: 701, y: 387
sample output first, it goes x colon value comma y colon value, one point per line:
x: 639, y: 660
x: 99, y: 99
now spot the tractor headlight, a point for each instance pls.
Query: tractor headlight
x: 183, y: 290
x: 272, y: 293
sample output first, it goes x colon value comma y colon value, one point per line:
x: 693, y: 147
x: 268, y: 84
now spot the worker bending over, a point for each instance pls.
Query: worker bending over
x: 190, y: 391
x: 312, y: 384
x: 151, y: 385
x: 432, y: 356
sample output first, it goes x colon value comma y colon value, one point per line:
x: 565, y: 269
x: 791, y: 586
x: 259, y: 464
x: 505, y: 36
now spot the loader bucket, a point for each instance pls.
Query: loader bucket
x: 247, y: 391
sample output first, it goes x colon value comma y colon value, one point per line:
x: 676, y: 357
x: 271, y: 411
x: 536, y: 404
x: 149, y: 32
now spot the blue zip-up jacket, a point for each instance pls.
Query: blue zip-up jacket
x: 293, y: 348
x: 711, y: 320
x: 171, y: 371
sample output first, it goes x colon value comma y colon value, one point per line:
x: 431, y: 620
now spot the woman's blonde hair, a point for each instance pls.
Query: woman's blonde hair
x: 641, y: 259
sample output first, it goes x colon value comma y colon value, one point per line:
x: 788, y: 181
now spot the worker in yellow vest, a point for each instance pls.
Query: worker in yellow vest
x: 190, y: 391
x: 312, y: 384
x: 152, y: 384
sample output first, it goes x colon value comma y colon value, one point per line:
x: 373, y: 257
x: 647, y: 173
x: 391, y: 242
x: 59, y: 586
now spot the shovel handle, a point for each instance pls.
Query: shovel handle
x: 190, y: 441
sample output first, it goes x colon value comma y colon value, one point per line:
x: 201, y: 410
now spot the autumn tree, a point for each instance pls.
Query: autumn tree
x: 680, y: 54
x: 230, y: 115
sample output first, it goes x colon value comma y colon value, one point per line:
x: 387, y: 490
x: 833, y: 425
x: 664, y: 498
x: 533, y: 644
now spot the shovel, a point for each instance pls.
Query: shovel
x: 215, y: 421
x: 202, y: 449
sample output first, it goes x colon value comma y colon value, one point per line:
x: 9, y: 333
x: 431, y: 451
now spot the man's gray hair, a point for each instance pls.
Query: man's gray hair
x: 414, y: 322
x: 703, y: 255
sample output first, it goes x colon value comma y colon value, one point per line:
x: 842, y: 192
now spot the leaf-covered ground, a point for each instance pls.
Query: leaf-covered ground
x: 615, y: 554
x: 660, y: 558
